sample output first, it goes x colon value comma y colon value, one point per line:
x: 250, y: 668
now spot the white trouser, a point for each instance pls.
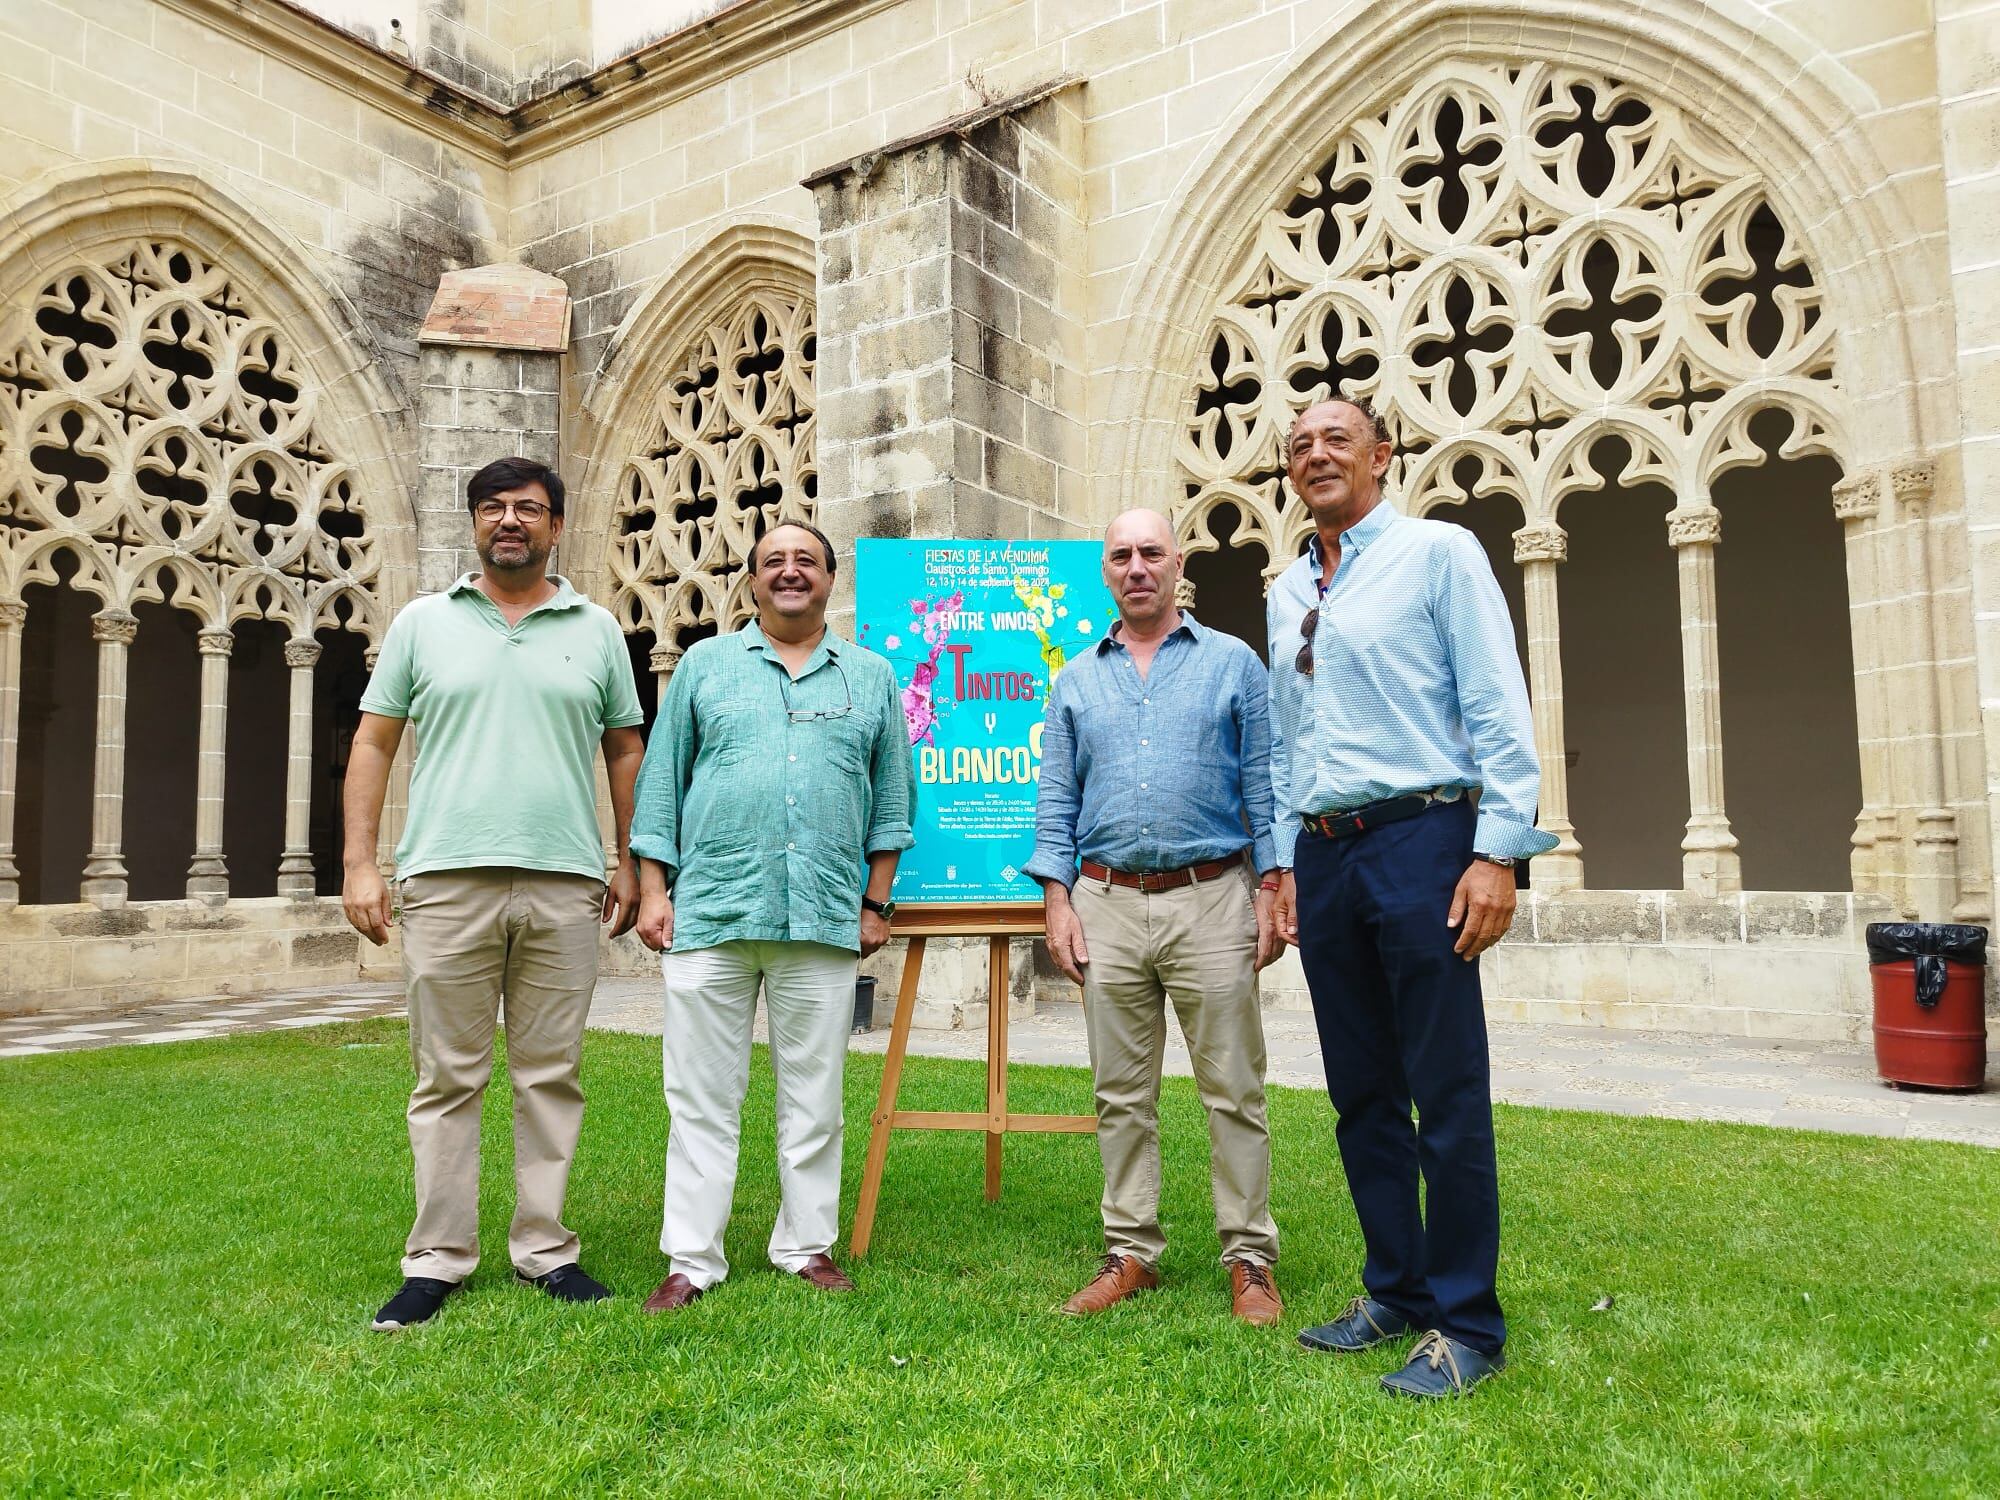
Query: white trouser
x: 711, y: 1000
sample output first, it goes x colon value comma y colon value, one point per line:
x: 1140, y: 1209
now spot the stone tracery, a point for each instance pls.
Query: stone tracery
x: 729, y: 456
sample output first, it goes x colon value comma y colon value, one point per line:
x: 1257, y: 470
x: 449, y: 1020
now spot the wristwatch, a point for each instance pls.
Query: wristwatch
x: 882, y: 909
x: 1504, y: 861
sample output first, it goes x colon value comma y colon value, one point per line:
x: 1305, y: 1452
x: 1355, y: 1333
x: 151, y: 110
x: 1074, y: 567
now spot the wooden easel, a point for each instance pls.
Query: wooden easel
x: 997, y: 923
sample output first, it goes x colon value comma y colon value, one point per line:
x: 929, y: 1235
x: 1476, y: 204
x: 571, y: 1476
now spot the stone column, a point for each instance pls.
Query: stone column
x: 1934, y: 861
x: 13, y: 621
x: 208, y: 874
x: 951, y: 318
x: 663, y: 660
x: 491, y: 386
x: 1539, y: 549
x: 104, y: 874
x: 1709, y: 863
x: 295, y: 867
x: 1857, y: 502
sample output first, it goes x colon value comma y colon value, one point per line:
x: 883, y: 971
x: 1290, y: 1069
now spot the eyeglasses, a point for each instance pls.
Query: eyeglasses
x: 527, y: 512
x: 1308, y: 627
x: 807, y: 715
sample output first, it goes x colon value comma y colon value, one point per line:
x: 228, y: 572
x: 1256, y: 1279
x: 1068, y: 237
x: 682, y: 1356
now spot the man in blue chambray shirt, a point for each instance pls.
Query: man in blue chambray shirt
x: 1396, y: 696
x: 1155, y: 771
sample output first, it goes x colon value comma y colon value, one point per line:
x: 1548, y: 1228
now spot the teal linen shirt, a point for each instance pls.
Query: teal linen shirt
x: 763, y: 820
x: 508, y: 722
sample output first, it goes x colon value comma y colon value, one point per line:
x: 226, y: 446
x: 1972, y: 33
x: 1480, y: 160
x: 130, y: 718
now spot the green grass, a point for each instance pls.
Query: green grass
x: 192, y: 1239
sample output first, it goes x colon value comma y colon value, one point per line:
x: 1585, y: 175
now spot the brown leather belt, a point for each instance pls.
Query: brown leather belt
x: 1160, y: 880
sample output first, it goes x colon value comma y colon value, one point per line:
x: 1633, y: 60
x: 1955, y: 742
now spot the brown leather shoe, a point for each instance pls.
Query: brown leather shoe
x: 1117, y: 1278
x: 821, y: 1272
x: 673, y: 1294
x: 1253, y: 1295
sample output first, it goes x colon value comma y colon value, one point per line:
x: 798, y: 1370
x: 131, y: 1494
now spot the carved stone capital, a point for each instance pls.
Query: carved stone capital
x: 1546, y: 542
x: 1702, y: 523
x: 1184, y: 593
x: 13, y: 614
x: 1858, y: 497
x: 369, y: 657
x: 665, y: 658
x: 1914, y: 484
x: 301, y: 653
x: 216, y: 642
x: 114, y: 625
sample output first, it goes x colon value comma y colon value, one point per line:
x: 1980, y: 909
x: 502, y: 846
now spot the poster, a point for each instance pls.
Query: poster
x: 976, y: 630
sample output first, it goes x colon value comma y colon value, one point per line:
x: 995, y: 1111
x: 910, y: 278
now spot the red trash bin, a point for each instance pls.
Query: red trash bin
x: 1930, y: 1003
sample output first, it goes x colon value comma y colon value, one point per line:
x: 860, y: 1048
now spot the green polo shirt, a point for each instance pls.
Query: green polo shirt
x: 508, y: 721
x: 762, y: 815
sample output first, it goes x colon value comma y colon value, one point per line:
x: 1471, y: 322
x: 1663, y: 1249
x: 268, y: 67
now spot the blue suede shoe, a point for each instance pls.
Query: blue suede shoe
x: 1364, y: 1324
x: 1439, y: 1366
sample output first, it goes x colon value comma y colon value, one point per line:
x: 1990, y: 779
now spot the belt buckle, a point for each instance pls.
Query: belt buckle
x: 1151, y: 881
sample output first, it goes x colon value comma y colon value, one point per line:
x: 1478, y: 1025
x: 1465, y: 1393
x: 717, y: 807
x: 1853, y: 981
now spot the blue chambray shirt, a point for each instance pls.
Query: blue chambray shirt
x: 1416, y: 683
x: 764, y: 823
x: 1160, y: 772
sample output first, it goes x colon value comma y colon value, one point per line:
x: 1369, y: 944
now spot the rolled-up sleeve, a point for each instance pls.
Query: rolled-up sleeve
x: 663, y: 778
x: 1493, y: 699
x: 1058, y: 800
x: 892, y: 777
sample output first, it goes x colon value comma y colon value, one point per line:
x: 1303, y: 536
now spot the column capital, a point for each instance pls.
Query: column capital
x: 1543, y: 542
x: 370, y: 656
x: 1858, y: 497
x: 1700, y: 523
x: 114, y: 625
x: 1914, y: 483
x: 13, y: 614
x: 300, y: 653
x: 216, y: 642
x: 665, y: 658
x: 1184, y: 593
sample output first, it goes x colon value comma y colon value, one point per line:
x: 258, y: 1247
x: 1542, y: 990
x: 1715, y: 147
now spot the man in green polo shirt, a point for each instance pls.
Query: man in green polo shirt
x: 779, y: 769
x: 513, y: 680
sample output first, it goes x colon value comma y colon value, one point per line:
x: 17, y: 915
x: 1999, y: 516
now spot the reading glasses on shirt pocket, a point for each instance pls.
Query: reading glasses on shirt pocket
x: 807, y: 715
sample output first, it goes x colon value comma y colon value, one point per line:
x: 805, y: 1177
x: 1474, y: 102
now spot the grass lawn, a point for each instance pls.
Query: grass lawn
x: 193, y: 1237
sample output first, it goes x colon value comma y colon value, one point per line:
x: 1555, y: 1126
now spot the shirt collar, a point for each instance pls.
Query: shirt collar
x: 565, y: 596
x: 828, y: 644
x: 1193, y: 629
x: 1358, y: 536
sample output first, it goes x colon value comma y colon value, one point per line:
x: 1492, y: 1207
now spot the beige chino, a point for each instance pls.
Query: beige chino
x: 1197, y: 946
x: 476, y: 943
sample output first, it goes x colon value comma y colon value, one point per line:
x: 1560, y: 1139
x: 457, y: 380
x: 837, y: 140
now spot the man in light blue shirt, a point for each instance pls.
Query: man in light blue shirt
x: 1155, y: 807
x: 1403, y: 766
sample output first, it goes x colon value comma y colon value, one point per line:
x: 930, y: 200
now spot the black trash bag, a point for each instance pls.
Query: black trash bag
x: 1930, y: 944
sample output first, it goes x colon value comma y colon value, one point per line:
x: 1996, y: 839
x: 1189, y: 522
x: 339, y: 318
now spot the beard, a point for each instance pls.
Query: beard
x: 508, y: 554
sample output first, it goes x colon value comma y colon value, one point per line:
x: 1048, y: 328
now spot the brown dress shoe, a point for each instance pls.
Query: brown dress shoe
x: 673, y: 1294
x: 821, y: 1272
x: 1116, y: 1279
x: 1253, y: 1295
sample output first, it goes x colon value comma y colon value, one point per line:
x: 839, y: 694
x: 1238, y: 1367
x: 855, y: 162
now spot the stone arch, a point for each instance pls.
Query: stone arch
x: 1788, y: 107
x: 696, y: 434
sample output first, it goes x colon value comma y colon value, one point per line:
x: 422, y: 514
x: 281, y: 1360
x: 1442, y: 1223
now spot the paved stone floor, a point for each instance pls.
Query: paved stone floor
x: 1807, y: 1085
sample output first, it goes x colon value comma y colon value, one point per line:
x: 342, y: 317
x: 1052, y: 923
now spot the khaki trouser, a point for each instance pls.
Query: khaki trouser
x: 1197, y: 944
x: 473, y: 942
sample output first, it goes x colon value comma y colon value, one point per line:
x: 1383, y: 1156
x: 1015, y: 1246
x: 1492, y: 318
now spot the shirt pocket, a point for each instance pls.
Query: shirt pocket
x: 850, y: 741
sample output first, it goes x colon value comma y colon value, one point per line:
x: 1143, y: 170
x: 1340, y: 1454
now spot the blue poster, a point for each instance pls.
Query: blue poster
x: 977, y: 631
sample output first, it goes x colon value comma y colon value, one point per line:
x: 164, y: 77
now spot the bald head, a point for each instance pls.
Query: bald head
x: 1142, y: 565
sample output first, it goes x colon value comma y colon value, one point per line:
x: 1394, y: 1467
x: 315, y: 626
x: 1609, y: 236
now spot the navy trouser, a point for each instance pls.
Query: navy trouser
x: 1400, y: 1021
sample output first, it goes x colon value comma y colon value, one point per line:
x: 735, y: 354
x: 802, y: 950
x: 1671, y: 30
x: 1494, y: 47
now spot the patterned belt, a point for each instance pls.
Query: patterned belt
x: 1345, y: 825
x: 1160, y: 880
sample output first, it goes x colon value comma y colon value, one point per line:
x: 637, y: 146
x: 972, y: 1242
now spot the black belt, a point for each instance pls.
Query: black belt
x: 1345, y: 825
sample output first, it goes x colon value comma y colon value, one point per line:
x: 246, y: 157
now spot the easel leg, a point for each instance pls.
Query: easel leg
x: 996, y: 1062
x: 885, y: 1104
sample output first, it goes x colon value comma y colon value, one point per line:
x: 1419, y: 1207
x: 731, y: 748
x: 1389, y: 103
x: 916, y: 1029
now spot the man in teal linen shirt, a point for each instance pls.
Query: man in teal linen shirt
x: 779, y: 765
x: 513, y: 681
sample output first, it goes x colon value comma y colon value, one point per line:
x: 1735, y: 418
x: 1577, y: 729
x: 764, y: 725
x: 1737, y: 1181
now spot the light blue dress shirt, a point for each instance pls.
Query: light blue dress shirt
x: 1416, y: 683
x: 1160, y: 772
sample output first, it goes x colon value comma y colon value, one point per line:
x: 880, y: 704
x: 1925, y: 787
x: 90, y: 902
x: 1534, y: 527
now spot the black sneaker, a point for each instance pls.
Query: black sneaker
x: 416, y: 1303
x: 569, y: 1284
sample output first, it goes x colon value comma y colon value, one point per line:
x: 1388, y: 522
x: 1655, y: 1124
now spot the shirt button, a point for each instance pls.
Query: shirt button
x: 1145, y: 700
x: 1142, y: 786
x: 1145, y: 742
x: 791, y: 846
x: 791, y: 757
x: 791, y: 802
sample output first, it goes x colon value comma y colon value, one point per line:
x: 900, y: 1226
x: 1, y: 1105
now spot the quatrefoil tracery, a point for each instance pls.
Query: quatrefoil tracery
x: 1530, y: 256
x: 156, y: 428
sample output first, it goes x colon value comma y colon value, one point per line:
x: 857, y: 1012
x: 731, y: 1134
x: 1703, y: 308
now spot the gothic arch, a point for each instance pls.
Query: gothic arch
x: 192, y: 236
x: 678, y: 451
x: 1788, y: 108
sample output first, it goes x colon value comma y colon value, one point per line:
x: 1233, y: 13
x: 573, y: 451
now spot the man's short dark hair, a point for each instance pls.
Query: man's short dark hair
x: 825, y: 546
x: 505, y: 474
